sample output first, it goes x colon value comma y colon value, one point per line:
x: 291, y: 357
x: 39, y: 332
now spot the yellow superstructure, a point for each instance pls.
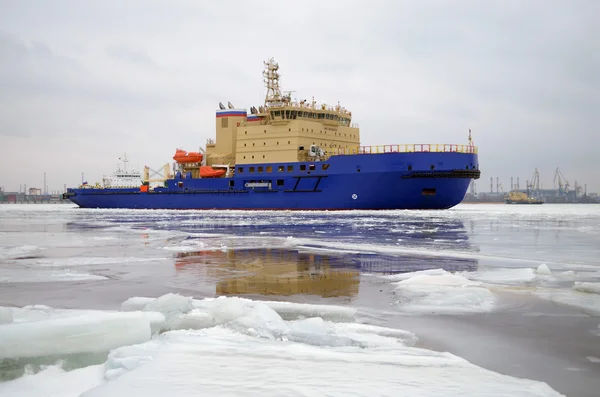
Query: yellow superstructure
x: 281, y: 130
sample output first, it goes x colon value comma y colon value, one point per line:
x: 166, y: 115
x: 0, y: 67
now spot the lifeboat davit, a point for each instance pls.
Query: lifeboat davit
x: 181, y: 156
x: 210, y: 172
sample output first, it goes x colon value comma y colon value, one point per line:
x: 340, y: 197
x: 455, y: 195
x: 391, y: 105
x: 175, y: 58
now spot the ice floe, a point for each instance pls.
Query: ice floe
x: 589, y: 287
x: 54, y: 381
x: 41, y: 276
x: 46, y: 334
x: 218, y: 361
x: 504, y: 276
x: 437, y: 291
x: 232, y: 346
x: 543, y: 270
x: 588, y: 303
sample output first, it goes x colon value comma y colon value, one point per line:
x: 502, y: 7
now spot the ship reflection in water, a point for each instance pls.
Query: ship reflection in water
x: 273, y: 272
x: 285, y: 272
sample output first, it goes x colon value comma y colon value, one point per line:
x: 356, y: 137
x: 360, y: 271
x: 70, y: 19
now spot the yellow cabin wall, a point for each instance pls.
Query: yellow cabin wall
x: 279, y: 142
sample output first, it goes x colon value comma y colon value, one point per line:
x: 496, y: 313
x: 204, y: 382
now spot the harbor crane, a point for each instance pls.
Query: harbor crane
x: 533, y: 187
x: 561, y: 181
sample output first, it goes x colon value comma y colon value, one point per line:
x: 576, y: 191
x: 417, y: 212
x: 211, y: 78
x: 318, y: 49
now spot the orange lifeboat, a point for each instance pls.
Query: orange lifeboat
x: 210, y: 172
x: 181, y: 156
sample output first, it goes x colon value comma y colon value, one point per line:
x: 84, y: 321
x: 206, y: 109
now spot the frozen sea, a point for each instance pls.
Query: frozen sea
x: 485, y: 299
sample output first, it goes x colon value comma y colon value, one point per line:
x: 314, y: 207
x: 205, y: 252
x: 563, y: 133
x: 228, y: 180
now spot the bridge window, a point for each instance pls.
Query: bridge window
x: 240, y: 169
x: 290, y: 168
x: 311, y: 167
x: 269, y: 168
x: 280, y: 168
x: 324, y: 166
x: 260, y: 169
x: 302, y: 167
x: 251, y: 169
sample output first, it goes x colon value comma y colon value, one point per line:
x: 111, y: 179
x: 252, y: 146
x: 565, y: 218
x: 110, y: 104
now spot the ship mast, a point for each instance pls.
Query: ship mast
x: 271, y: 79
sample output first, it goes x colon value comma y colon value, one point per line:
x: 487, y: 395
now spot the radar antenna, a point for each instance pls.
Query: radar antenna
x: 271, y: 79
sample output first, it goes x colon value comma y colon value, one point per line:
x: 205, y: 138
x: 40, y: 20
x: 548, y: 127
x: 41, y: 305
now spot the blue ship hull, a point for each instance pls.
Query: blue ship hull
x: 417, y: 180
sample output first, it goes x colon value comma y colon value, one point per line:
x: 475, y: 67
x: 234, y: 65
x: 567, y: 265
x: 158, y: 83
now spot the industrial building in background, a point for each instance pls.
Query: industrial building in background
x: 561, y: 192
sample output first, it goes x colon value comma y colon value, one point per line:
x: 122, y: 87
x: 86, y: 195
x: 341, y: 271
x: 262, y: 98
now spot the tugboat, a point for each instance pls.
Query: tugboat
x: 299, y: 155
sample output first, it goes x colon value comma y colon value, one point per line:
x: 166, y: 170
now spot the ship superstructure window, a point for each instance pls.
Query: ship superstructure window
x: 260, y: 169
x: 324, y: 166
x: 302, y: 167
x: 240, y: 169
x: 224, y: 122
x: 280, y: 168
x: 251, y: 169
x: 279, y: 182
x: 311, y: 167
x: 269, y: 168
x: 290, y: 168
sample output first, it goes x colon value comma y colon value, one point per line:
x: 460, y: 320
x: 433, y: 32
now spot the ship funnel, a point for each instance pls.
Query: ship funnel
x: 230, y: 105
x: 221, y: 106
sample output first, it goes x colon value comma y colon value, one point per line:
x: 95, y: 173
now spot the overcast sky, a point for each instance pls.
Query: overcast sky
x: 82, y: 82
